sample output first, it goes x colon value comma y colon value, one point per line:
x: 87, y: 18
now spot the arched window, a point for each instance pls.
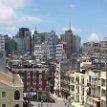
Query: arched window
x: 17, y: 105
x: 17, y: 95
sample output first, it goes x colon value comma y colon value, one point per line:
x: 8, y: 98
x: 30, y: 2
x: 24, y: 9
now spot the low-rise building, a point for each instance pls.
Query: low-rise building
x: 74, y: 85
x: 11, y: 90
x: 93, y: 92
x: 86, y: 87
x: 35, y: 81
x: 91, y: 48
x: 61, y: 68
x: 103, y: 89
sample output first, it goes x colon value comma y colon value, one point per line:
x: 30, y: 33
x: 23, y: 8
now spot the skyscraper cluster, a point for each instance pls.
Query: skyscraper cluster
x: 43, y: 44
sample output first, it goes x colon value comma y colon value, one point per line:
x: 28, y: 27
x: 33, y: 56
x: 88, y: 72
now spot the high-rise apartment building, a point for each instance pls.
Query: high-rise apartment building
x: 104, y: 45
x: 23, y: 32
x: 42, y: 51
x: 61, y: 51
x: 73, y: 42
x: 23, y: 40
x: 10, y: 45
x: 50, y: 37
x: 2, y: 43
x: 2, y: 47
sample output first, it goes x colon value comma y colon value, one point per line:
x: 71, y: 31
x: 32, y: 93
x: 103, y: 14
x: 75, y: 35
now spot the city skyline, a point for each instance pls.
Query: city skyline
x: 87, y: 18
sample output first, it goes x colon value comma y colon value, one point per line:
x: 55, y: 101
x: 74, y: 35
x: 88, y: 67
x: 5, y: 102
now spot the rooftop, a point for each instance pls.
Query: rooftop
x: 8, y: 77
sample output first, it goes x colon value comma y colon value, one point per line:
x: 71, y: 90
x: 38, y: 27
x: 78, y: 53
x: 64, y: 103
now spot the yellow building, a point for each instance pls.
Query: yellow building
x: 11, y: 90
x: 74, y: 86
x: 86, y: 87
x: 103, y: 89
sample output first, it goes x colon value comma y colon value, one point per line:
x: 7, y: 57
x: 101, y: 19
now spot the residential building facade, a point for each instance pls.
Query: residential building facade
x: 2, y: 43
x: 61, y: 50
x: 103, y: 46
x: 91, y: 48
x: 2, y: 48
x: 42, y: 51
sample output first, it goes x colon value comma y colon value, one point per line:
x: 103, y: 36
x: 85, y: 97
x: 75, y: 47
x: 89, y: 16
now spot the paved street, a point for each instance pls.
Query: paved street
x: 45, y: 104
x: 58, y: 102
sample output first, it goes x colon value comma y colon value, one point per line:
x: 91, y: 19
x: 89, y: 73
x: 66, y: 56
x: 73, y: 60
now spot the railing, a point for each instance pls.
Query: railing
x: 94, y: 83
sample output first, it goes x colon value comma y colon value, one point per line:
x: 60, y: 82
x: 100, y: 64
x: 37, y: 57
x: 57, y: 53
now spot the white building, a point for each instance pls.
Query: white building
x: 2, y: 48
x: 61, y: 51
x: 50, y: 37
x: 46, y: 50
x: 42, y: 51
x: 2, y: 43
x: 91, y: 48
x: 104, y: 45
x: 38, y: 51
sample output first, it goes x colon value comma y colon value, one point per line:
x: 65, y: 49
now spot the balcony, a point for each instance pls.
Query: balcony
x: 72, y: 82
x: 94, y: 98
x: 94, y: 84
x: 103, y: 86
x: 94, y: 101
x: 89, y: 84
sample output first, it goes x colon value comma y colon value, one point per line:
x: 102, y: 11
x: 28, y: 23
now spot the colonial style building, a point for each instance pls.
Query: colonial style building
x: 11, y: 90
x: 35, y: 81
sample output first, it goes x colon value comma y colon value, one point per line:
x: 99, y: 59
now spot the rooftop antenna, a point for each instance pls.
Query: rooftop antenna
x: 70, y: 26
x: 35, y: 30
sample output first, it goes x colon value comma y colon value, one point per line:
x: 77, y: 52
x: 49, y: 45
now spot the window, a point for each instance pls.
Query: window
x: 3, y: 94
x: 72, y: 79
x: 3, y: 105
x: 103, y: 83
x: 17, y: 95
x: 103, y: 93
x: 17, y: 105
x: 89, y: 79
x: 72, y: 88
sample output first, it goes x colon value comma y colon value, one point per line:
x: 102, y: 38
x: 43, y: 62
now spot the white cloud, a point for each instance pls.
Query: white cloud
x: 9, y: 16
x: 74, y: 30
x: 16, y: 3
x: 32, y: 31
x: 94, y: 37
x: 72, y: 6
